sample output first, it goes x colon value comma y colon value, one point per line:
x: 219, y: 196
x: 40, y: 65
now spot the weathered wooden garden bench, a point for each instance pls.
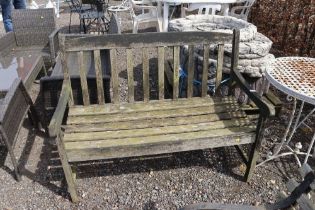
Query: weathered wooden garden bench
x: 148, y: 127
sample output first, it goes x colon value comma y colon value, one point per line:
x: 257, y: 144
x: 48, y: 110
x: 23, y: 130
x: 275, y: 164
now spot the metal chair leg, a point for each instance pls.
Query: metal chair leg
x: 10, y: 149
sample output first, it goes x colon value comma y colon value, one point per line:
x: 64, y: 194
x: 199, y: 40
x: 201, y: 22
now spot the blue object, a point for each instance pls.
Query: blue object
x: 183, y: 74
x: 6, y: 6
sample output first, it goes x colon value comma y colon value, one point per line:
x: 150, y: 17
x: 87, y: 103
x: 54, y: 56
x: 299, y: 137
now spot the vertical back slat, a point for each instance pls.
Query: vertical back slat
x: 145, y: 73
x: 205, y: 70
x: 99, y: 77
x: 131, y: 90
x: 161, y: 63
x: 234, y: 58
x: 84, y: 85
x: 66, y: 75
x: 190, y: 71
x: 115, y: 81
x: 176, y: 72
x: 219, y: 66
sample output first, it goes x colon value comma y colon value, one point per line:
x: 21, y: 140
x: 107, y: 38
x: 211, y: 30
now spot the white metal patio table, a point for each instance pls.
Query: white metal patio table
x: 167, y: 3
x: 294, y: 76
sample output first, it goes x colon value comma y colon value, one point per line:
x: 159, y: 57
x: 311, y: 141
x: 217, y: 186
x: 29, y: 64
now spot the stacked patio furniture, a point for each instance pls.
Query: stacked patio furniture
x: 242, y: 11
x: 34, y: 32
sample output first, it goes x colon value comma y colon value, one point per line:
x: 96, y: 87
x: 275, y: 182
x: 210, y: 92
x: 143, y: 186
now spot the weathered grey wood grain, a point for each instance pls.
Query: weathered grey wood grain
x: 152, y: 131
x: 115, y: 79
x: 99, y: 77
x: 84, y: 85
x: 176, y: 72
x: 131, y: 90
x: 266, y: 109
x: 76, y: 42
x: 190, y: 71
x: 219, y: 66
x: 182, y: 103
x: 145, y: 74
x: 67, y: 169
x: 64, y: 58
x: 151, y: 123
x: 129, y: 147
x: 56, y: 120
x: 144, y: 114
x: 159, y: 126
x: 161, y: 65
x: 204, y: 82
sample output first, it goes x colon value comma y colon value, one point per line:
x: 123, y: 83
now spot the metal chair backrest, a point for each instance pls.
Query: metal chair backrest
x: 33, y: 26
x: 203, y: 8
x: 243, y: 11
x: 209, y: 9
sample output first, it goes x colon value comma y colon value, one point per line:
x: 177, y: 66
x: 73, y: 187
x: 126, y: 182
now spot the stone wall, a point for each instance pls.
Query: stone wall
x: 290, y: 24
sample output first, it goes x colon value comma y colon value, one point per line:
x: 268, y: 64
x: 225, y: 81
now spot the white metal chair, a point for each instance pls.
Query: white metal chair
x: 149, y: 13
x: 115, y: 9
x: 241, y: 12
x: 205, y: 9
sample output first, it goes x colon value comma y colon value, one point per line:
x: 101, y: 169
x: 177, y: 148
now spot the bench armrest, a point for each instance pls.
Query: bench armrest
x: 56, y: 121
x: 54, y: 44
x: 266, y: 109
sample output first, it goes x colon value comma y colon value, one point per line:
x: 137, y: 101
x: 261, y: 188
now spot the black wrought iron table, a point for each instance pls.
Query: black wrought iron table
x: 294, y: 76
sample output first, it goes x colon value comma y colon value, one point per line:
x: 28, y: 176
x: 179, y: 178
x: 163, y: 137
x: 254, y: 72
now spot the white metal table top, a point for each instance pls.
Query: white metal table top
x: 294, y: 76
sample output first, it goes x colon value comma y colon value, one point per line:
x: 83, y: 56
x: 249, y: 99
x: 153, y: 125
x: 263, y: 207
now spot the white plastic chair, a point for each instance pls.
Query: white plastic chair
x: 149, y: 14
x: 241, y: 12
x: 207, y: 8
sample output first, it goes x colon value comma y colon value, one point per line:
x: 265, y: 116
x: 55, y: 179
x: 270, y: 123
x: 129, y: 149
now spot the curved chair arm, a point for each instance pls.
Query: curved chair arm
x: 56, y: 121
x: 266, y: 108
x: 54, y: 45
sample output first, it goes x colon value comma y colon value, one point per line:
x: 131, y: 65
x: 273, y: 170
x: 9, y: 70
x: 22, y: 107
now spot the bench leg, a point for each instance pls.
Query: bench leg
x: 74, y: 173
x: 67, y: 170
x: 254, y: 151
x: 10, y: 149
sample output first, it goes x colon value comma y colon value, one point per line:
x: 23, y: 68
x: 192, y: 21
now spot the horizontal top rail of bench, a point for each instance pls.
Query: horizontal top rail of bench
x: 115, y: 41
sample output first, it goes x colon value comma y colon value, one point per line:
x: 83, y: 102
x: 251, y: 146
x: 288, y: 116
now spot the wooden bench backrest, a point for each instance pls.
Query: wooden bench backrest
x: 135, y: 43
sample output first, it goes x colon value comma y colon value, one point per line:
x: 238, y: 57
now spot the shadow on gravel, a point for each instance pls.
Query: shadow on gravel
x: 138, y: 76
x: 150, y: 205
x: 220, y: 160
x: 40, y: 175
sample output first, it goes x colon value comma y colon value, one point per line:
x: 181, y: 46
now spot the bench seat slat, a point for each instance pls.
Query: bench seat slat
x: 150, y: 106
x: 156, y: 114
x: 147, y: 123
x: 150, y: 131
x: 159, y: 144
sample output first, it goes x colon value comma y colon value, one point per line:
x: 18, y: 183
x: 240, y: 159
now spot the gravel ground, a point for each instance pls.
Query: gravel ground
x: 163, y: 182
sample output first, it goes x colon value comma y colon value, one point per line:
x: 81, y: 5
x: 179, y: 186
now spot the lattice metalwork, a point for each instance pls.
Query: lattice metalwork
x: 295, y: 76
